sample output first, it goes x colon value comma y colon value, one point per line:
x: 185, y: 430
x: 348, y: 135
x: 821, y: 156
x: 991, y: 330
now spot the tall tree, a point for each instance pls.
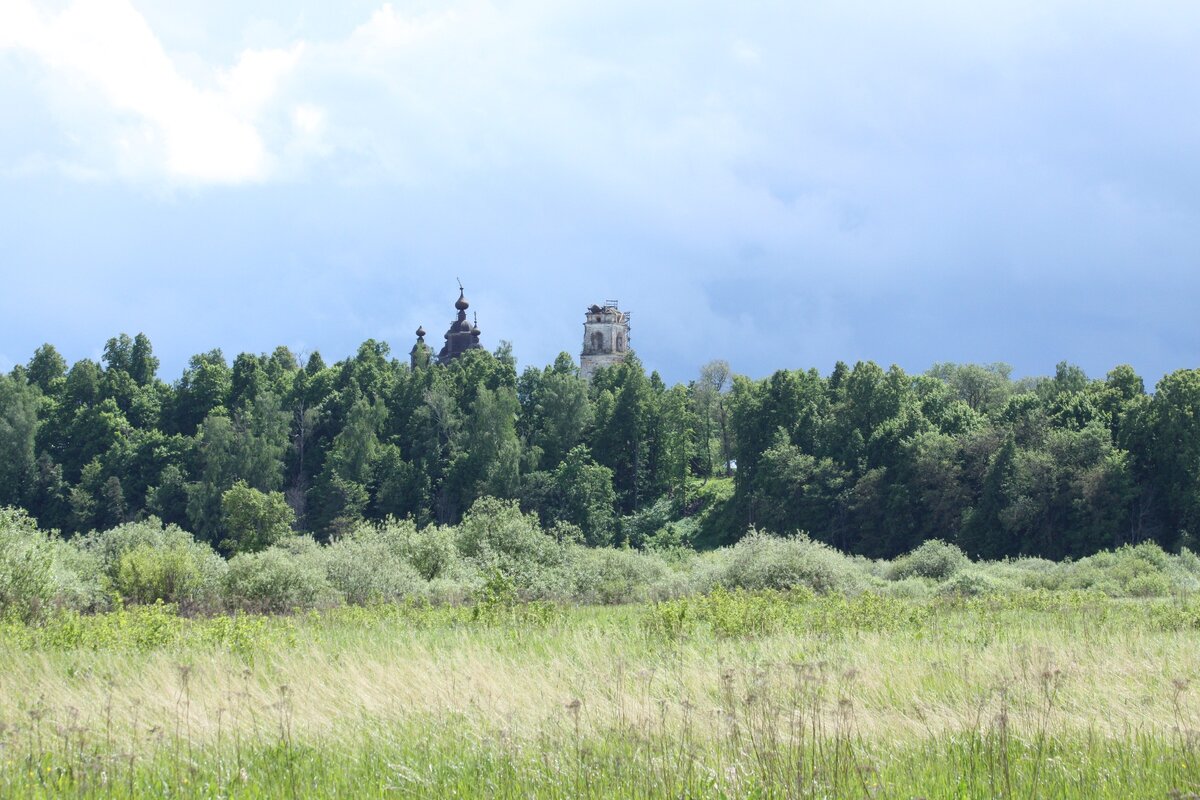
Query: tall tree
x: 19, y: 403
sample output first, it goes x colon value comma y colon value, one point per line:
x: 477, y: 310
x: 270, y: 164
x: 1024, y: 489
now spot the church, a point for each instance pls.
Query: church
x: 461, y: 337
x: 605, y: 338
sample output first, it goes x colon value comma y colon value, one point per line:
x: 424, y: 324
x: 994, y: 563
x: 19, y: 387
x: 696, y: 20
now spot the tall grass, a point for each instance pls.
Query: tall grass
x: 496, y: 659
x: 726, y: 694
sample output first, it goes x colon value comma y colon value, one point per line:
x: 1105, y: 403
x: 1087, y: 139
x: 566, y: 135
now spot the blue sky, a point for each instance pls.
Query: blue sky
x: 776, y: 184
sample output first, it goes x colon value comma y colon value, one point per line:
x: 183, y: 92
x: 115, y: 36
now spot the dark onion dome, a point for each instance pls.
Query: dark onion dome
x: 475, y: 331
x: 464, y: 326
x: 421, y: 332
x: 461, y: 303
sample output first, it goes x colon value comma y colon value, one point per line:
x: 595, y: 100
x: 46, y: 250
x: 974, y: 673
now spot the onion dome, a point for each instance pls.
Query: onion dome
x: 463, y: 326
x: 475, y: 331
x: 461, y: 303
x: 421, y: 332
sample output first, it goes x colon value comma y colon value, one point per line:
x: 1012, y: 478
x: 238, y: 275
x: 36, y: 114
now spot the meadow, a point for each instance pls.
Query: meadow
x: 496, y: 659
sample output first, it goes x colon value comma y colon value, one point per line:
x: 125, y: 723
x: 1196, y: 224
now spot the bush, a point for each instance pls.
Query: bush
x: 1032, y: 573
x: 147, y: 573
x: 1153, y: 584
x: 147, y: 561
x: 972, y: 583
x: 764, y: 561
x: 1124, y: 566
x: 678, y: 535
x: 496, y: 536
x: 78, y: 579
x: 609, y: 576
x: 1188, y: 562
x: 370, y: 564
x: 282, y: 578
x: 640, y: 528
x: 933, y: 559
x: 909, y: 588
x: 431, y: 551
x: 27, y: 585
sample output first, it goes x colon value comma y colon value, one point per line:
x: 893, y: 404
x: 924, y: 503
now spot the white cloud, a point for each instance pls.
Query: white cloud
x: 253, y: 81
x: 309, y: 120
x: 161, y: 121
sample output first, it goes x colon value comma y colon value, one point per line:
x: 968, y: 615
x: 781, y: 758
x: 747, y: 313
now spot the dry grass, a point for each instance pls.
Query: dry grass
x: 336, y: 675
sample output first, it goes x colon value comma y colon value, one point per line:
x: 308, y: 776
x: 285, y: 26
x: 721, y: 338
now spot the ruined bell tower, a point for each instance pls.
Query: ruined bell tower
x: 605, y: 338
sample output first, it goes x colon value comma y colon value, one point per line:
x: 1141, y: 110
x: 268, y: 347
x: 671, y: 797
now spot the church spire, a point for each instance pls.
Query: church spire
x: 462, y: 335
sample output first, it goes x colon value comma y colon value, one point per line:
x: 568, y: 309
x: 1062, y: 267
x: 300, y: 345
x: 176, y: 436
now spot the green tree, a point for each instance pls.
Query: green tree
x: 557, y: 411
x: 983, y: 387
x: 254, y: 520
x: 585, y: 496
x: 204, y: 388
x: 710, y: 409
x: 487, y: 452
x: 168, y: 499
x: 342, y: 490
x: 47, y: 370
x: 620, y: 442
x: 1171, y: 453
x: 19, y: 403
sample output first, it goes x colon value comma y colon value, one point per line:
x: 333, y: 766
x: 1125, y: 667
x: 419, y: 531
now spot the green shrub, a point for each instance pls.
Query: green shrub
x: 1151, y: 584
x: 972, y: 583
x: 27, y: 585
x: 910, y: 588
x: 495, y: 535
x: 282, y: 578
x: 147, y: 561
x: 431, y: 550
x: 147, y: 573
x: 78, y: 578
x: 1115, y: 571
x: 1188, y: 562
x: 1032, y: 573
x: 677, y: 535
x: 764, y: 561
x: 369, y: 565
x: 608, y: 575
x: 639, y: 529
x: 933, y: 559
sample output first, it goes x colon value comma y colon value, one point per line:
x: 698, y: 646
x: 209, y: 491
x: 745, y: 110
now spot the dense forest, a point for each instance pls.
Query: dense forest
x: 869, y: 460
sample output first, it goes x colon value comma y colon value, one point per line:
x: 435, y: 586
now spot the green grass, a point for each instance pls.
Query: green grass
x: 730, y: 694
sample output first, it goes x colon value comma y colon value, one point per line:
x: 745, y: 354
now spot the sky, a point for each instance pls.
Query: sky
x: 778, y: 184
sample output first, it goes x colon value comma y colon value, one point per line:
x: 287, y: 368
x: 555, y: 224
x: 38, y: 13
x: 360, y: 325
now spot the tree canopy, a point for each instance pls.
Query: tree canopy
x: 869, y: 459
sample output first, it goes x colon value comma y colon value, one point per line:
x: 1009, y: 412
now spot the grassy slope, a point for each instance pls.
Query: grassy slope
x: 1034, y: 694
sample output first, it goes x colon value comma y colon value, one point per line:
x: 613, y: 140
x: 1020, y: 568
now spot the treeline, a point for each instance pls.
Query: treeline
x: 871, y: 461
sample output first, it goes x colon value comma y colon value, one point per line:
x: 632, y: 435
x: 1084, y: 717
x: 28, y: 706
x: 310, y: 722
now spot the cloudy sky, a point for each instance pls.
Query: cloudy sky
x: 778, y: 184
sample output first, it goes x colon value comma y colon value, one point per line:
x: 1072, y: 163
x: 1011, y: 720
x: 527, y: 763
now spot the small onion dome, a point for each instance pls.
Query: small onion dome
x: 461, y: 303
x: 421, y: 332
x: 475, y: 331
x: 464, y: 326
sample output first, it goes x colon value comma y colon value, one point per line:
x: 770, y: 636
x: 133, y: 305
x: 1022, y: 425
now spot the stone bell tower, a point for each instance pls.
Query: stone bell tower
x: 605, y: 338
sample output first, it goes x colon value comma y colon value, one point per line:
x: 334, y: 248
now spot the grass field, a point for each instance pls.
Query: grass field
x: 729, y: 694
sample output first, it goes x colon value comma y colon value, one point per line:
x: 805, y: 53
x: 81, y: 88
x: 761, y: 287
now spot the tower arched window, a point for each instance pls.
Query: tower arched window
x: 597, y: 341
